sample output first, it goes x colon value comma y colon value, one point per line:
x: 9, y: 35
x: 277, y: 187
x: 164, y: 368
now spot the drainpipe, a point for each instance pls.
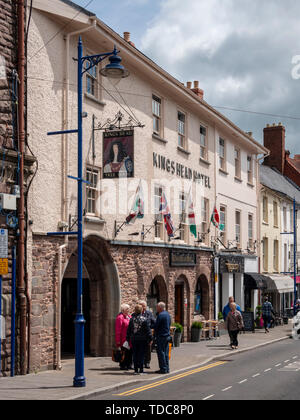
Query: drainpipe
x: 21, y: 206
x: 57, y: 365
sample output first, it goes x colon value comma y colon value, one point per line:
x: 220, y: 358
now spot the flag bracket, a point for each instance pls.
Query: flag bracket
x: 147, y: 229
x: 118, y: 228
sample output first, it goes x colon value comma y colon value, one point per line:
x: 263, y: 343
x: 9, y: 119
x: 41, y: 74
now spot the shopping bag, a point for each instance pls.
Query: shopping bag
x: 118, y: 356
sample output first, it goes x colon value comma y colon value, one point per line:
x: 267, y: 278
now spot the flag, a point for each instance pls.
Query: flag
x: 165, y: 211
x: 215, y: 218
x: 137, y: 210
x: 191, y: 216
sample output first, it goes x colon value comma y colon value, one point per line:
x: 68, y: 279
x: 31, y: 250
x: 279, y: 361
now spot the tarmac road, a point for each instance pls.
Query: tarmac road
x: 267, y: 373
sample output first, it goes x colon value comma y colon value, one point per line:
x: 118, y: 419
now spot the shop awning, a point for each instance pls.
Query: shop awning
x: 280, y: 283
x: 255, y: 281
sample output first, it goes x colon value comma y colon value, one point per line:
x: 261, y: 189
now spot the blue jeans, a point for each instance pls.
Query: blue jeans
x: 267, y: 321
x: 163, y: 353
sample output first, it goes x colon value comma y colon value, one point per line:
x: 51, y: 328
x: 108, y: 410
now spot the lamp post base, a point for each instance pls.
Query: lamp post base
x: 79, y: 382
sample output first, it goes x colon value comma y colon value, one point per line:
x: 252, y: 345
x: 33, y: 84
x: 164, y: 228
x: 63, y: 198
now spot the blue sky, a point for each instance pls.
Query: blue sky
x: 241, y: 52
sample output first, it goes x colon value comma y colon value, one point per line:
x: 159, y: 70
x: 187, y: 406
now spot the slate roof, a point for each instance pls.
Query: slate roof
x: 273, y: 179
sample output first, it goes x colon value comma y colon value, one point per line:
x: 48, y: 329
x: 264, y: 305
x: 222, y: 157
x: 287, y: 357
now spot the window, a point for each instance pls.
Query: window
x: 291, y: 220
x: 238, y: 228
x: 265, y: 209
x: 285, y: 258
x: 181, y: 130
x: 291, y: 268
x: 223, y: 222
x: 204, y: 218
x: 250, y: 231
x: 158, y: 216
x: 203, y: 143
x: 222, y: 153
x: 275, y: 255
x: 92, y: 176
x: 265, y: 254
x: 91, y: 80
x: 275, y: 213
x: 156, y: 112
x: 284, y: 219
x: 250, y: 169
x: 183, y: 217
x: 237, y: 162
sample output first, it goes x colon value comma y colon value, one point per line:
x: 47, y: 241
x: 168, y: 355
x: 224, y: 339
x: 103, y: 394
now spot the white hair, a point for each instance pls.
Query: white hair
x: 143, y: 303
x: 124, y: 307
x: 162, y: 305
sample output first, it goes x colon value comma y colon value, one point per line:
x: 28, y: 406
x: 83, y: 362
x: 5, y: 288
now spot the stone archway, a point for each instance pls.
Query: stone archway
x: 104, y: 293
x: 182, y: 303
x: 202, y: 297
x: 157, y: 292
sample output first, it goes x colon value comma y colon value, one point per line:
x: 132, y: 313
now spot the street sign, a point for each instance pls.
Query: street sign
x: 3, y: 266
x: 2, y: 327
x: 3, y: 243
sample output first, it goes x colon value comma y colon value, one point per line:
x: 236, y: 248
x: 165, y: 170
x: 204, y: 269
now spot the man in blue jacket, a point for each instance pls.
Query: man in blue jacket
x: 162, y: 335
x: 227, y: 308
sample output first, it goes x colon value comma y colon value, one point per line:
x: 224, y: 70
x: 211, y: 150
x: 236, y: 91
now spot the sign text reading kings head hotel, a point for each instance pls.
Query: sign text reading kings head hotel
x: 182, y: 171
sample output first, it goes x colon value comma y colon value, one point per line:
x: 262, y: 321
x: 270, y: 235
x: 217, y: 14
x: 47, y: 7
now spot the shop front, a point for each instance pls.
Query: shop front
x: 280, y: 289
x: 231, y: 279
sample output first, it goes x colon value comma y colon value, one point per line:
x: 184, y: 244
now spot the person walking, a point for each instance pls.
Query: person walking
x: 151, y: 321
x: 267, y: 310
x: 163, y: 338
x: 121, y: 326
x: 140, y: 336
x: 227, y: 308
x: 234, y: 325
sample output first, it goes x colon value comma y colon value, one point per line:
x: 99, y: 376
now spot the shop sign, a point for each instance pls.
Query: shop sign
x: 118, y: 154
x: 182, y: 258
x: 232, y: 264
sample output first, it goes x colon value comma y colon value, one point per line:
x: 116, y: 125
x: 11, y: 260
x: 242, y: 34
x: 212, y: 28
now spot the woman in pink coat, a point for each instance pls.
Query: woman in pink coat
x: 121, y: 326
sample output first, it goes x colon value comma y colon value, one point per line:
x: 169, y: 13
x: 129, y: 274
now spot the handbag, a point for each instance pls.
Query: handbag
x: 118, y: 356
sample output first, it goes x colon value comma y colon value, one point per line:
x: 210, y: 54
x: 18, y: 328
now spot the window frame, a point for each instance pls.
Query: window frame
x: 203, y: 148
x: 159, y: 223
x: 265, y: 209
x: 92, y: 171
x: 94, y: 78
x: 222, y: 157
x: 275, y: 255
x: 250, y: 171
x: 181, y: 135
x: 157, y: 117
x: 223, y: 234
x: 250, y: 237
x: 238, y: 235
x: 237, y: 162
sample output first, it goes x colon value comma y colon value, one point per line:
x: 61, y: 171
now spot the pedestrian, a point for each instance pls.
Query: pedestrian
x: 297, y: 306
x: 267, y: 310
x: 121, y: 326
x: 234, y: 325
x: 140, y: 336
x: 163, y: 337
x: 151, y: 321
x: 227, y: 308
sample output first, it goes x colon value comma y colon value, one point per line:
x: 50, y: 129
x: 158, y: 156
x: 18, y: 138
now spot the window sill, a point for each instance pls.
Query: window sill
x: 94, y: 99
x: 237, y: 179
x: 222, y: 171
x: 181, y: 149
x: 206, y: 162
x: 265, y: 223
x: 157, y: 137
x: 250, y: 185
x: 94, y: 219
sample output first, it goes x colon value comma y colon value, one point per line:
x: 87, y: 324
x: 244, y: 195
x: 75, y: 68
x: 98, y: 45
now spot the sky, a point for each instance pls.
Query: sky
x: 244, y: 53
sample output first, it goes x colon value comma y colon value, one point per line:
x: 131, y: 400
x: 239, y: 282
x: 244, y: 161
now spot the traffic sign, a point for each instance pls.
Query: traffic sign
x: 3, y: 243
x: 3, y: 266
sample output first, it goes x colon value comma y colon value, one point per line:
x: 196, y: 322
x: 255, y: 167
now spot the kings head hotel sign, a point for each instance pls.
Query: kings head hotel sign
x: 175, y: 168
x: 118, y: 154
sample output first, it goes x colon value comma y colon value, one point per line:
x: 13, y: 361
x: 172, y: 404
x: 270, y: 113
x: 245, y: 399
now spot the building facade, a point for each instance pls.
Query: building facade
x: 166, y: 151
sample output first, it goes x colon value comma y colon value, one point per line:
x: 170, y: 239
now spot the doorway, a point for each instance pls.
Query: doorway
x: 69, y: 303
x: 179, y: 303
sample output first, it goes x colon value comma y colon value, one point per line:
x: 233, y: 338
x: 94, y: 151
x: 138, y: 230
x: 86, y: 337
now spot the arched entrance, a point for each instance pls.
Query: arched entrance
x: 157, y: 293
x: 101, y: 294
x: 182, y: 301
x: 202, y: 297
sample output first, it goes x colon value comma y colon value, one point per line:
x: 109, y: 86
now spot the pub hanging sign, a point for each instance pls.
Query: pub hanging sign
x: 118, y: 154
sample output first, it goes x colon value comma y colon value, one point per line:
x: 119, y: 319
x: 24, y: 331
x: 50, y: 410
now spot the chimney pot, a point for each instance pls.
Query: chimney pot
x: 127, y: 36
x: 189, y: 85
x: 196, y: 84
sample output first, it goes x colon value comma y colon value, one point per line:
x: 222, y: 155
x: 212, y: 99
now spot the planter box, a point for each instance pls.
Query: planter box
x: 195, y: 335
x: 177, y: 339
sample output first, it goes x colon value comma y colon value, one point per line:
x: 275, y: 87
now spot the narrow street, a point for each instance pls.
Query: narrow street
x: 268, y: 373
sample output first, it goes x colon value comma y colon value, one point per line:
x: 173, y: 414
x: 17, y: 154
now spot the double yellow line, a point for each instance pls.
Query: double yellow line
x: 173, y: 378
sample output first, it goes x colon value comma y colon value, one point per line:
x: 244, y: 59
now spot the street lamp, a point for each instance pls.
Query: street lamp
x: 115, y: 71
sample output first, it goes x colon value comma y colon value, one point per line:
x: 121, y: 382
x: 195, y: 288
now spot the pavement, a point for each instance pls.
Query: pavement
x: 103, y: 375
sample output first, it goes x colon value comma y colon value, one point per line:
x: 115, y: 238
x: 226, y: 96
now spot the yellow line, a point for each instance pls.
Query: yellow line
x: 165, y: 381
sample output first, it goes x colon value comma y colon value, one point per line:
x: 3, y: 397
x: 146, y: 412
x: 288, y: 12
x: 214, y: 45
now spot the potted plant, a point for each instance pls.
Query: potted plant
x: 196, y: 331
x: 177, y: 334
x: 258, y: 320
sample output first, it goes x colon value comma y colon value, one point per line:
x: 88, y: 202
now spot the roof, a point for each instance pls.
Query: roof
x: 77, y: 7
x: 273, y: 179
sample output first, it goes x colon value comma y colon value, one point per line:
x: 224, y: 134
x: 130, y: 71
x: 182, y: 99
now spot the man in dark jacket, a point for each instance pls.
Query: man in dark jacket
x: 163, y: 338
x: 151, y: 321
x: 139, y: 335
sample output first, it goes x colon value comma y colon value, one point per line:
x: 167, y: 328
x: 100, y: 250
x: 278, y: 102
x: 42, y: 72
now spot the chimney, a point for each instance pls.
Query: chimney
x: 189, y: 85
x: 274, y: 140
x: 197, y: 91
x: 127, y: 38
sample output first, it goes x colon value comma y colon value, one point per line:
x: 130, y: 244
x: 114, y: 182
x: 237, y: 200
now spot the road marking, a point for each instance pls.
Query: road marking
x: 226, y: 389
x: 242, y: 382
x: 257, y: 374
x: 207, y: 398
x: 295, y: 357
x: 268, y: 370
x: 279, y: 364
x: 286, y: 361
x: 173, y: 378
